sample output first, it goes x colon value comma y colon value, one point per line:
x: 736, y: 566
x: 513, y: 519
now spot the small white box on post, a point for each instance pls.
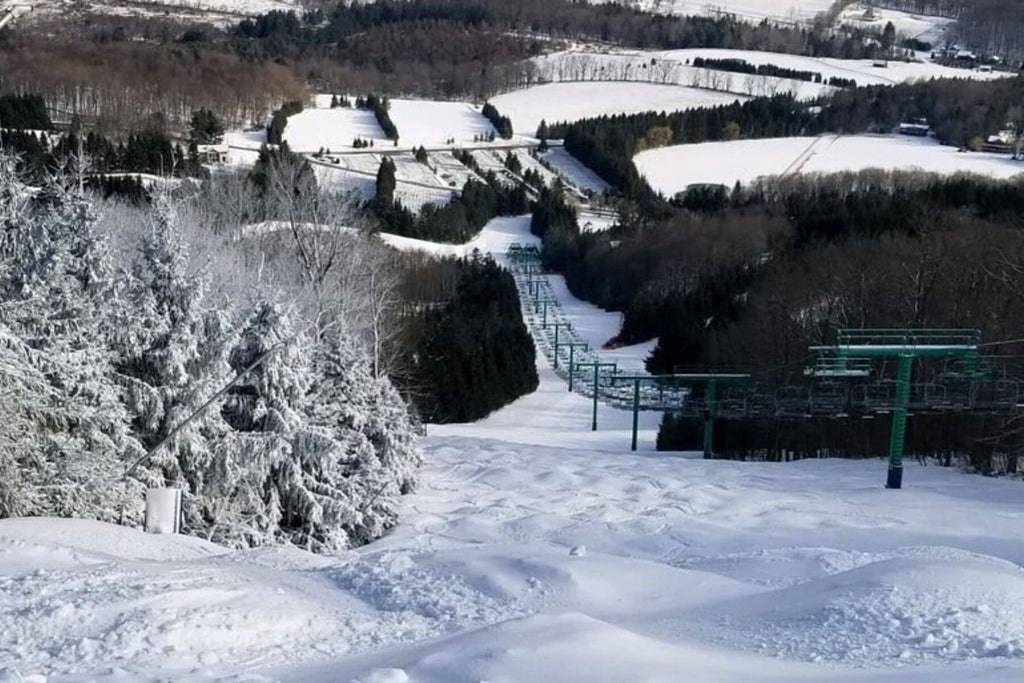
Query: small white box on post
x: 163, y: 511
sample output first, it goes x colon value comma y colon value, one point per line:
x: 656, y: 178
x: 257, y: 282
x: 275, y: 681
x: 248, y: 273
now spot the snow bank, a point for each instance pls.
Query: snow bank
x: 481, y: 581
x: 930, y: 604
x: 92, y: 541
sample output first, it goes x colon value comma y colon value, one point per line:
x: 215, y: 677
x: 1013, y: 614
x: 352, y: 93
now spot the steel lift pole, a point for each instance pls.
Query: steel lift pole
x: 906, y: 346
x: 597, y: 365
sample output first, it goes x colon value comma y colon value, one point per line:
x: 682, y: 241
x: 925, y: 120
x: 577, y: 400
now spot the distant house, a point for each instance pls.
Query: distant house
x: 916, y: 127
x: 1003, y: 142
x: 213, y: 154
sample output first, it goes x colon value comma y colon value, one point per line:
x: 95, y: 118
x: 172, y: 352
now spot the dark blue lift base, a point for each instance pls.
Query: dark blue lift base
x: 895, y: 480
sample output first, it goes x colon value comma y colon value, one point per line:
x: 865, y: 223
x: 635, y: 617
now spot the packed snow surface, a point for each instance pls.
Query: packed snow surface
x: 672, y: 169
x: 538, y: 550
x: 573, y: 101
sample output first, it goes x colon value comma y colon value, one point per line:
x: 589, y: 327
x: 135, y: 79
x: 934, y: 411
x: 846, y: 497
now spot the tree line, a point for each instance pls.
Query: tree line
x: 502, y: 124
x: 472, y: 353
x: 745, y: 67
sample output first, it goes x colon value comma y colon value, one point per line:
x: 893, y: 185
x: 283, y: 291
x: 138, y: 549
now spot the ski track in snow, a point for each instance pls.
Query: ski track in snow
x: 537, y: 550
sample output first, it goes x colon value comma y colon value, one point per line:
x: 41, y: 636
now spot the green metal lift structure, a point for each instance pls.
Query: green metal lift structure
x: 558, y: 325
x: 906, y: 346
x: 843, y: 379
x: 597, y: 366
x: 572, y: 346
x: 710, y: 381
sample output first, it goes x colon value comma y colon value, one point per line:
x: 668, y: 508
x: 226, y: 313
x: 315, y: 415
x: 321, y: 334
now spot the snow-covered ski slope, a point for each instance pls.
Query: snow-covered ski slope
x: 671, y: 169
x: 536, y: 550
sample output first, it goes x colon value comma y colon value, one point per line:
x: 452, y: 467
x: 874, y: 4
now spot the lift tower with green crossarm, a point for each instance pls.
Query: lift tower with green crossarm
x: 906, y: 346
x: 597, y: 366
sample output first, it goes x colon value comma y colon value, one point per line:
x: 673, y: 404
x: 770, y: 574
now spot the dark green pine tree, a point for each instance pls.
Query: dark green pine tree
x: 386, y: 183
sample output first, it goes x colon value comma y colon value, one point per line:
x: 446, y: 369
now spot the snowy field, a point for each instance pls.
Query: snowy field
x: 432, y: 123
x: 861, y: 70
x: 335, y: 129
x: 554, y: 102
x: 529, y: 163
x: 671, y: 169
x: 801, y: 11
x: 416, y: 185
x: 537, y: 550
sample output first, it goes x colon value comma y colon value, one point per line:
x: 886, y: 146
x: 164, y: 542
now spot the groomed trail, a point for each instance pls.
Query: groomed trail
x: 536, y: 550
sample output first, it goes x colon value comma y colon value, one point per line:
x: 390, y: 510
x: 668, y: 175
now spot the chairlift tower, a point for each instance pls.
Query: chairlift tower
x: 598, y: 366
x: 558, y: 325
x: 538, y: 303
x: 572, y: 346
x: 906, y: 346
x: 710, y: 382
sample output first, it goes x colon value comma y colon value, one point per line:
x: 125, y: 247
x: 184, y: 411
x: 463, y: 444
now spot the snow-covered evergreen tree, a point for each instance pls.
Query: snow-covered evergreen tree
x: 275, y: 431
x: 322, y: 451
x: 55, y: 289
x: 172, y: 349
x: 379, y: 456
x: 249, y: 493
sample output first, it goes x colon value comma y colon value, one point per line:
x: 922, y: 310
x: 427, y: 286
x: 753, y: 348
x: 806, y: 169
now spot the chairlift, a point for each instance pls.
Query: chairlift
x: 828, y: 398
x: 792, y: 401
x: 733, y: 403
x: 874, y: 397
x: 998, y: 395
x: 761, y: 403
x: 955, y: 395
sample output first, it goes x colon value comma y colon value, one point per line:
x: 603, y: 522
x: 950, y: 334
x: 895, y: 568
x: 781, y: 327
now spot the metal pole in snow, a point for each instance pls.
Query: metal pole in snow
x: 636, y: 410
